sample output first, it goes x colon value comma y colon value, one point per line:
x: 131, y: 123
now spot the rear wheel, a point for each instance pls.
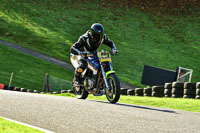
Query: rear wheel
x: 113, y: 94
x: 80, y: 92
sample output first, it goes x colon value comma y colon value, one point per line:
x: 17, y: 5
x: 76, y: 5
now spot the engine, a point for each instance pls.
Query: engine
x: 89, y: 82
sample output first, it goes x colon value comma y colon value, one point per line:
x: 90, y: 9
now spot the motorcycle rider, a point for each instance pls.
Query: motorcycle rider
x: 88, y: 43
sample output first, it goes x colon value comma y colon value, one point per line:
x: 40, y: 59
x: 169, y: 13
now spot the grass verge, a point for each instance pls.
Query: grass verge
x: 11, y: 127
x: 172, y: 103
x: 29, y: 72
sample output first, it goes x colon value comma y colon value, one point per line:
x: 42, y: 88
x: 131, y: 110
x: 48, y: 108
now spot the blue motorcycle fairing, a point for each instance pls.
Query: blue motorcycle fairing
x: 93, y: 61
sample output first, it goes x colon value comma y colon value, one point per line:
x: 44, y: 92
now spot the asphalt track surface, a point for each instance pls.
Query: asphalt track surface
x: 70, y: 115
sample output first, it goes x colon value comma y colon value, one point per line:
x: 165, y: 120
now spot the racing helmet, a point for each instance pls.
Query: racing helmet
x: 97, y: 32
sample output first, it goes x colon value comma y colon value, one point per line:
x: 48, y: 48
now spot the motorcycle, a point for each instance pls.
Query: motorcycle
x: 98, y: 78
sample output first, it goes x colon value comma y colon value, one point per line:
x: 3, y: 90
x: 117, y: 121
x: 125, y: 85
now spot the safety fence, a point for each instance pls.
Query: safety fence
x: 48, y: 84
x: 13, y: 79
x: 57, y: 84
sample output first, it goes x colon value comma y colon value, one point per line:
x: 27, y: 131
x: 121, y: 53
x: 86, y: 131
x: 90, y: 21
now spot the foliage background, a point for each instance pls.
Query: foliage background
x: 161, y: 33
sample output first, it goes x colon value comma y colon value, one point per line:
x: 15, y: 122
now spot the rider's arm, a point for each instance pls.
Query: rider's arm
x: 109, y: 42
x: 76, y: 46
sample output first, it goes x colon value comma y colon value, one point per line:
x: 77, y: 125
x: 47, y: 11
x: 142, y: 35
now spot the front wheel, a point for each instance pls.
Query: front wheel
x: 113, y: 94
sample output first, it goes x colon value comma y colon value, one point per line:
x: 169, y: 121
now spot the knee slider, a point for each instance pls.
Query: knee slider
x: 82, y: 66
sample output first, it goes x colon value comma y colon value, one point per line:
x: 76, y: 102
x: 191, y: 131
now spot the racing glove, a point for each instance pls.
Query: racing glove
x: 114, y: 51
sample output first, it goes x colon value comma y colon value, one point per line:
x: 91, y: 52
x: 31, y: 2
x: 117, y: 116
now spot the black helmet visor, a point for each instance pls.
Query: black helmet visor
x: 97, y: 36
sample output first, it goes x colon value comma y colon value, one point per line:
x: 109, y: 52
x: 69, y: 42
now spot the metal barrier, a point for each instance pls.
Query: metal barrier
x: 182, y: 73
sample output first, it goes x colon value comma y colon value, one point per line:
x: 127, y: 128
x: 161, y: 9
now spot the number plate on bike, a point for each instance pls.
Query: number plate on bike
x: 104, y: 56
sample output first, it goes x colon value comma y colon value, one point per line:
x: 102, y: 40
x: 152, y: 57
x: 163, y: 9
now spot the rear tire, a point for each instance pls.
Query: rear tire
x: 114, y: 94
x: 80, y: 93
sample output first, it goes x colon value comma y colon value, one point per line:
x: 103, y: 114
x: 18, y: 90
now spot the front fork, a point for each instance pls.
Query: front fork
x: 104, y: 74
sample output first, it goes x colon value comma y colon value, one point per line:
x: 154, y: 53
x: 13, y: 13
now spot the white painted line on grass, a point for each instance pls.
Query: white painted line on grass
x: 21, y: 123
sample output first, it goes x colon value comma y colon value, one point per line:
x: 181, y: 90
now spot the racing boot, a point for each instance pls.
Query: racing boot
x: 77, y: 79
x: 77, y: 76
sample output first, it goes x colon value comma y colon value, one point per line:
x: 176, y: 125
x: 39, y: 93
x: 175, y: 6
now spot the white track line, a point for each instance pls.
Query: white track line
x: 21, y: 123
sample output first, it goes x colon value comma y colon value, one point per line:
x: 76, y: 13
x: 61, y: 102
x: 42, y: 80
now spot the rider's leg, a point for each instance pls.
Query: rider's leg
x: 77, y: 75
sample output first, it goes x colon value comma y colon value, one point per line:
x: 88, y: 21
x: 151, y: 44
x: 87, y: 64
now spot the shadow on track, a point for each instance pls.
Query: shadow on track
x: 137, y: 106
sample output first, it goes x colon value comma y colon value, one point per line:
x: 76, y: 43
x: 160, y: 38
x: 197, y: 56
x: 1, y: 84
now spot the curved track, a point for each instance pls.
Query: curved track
x: 63, y: 114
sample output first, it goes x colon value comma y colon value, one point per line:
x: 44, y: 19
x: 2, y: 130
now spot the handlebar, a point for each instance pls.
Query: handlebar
x: 95, y: 52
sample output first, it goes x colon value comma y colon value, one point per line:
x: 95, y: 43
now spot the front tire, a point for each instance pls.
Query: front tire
x: 113, y: 94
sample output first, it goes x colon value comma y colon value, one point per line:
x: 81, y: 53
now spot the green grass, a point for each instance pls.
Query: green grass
x: 51, y: 27
x: 29, y: 72
x: 173, y: 103
x: 11, y: 127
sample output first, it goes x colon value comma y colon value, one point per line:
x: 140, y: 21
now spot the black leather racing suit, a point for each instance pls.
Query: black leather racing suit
x: 85, y: 44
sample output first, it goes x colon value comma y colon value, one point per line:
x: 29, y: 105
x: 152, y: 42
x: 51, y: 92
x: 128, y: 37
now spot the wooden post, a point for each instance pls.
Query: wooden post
x: 11, y: 79
x: 46, y: 83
